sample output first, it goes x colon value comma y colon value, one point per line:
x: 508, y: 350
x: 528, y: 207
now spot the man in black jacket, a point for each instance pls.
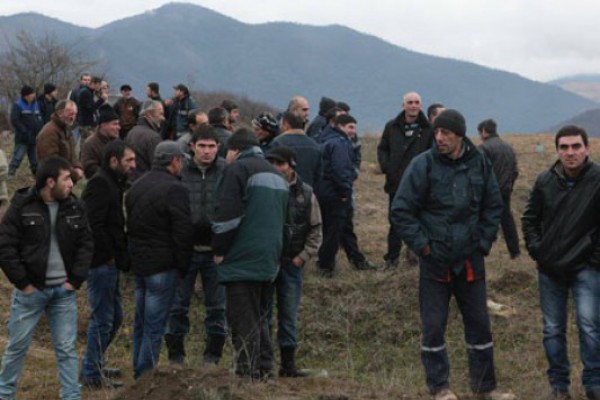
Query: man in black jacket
x: 88, y: 106
x: 200, y: 176
x: 103, y: 198
x: 504, y: 162
x: 145, y: 136
x: 45, y: 251
x: 404, y: 137
x: 561, y: 226
x: 160, y: 244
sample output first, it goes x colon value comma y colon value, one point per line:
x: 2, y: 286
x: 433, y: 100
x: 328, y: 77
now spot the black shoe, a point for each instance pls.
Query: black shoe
x: 515, y: 256
x: 392, y: 263
x: 288, y: 364
x: 364, y: 265
x: 112, y: 373
x: 214, y: 349
x: 175, y: 349
x: 100, y: 383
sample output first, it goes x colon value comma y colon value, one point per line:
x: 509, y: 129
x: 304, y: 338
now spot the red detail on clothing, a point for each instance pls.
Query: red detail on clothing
x: 469, y: 268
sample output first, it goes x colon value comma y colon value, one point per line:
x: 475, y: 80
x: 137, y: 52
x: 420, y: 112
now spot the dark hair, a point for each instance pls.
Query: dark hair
x: 332, y: 113
x: 191, y: 117
x: 432, y: 108
x: 217, y: 115
x: 114, y: 148
x: 293, y: 120
x: 96, y: 79
x: 242, y: 139
x: 571, y: 130
x: 153, y: 86
x: 489, y: 126
x: 50, y: 168
x: 205, y: 132
x: 345, y: 119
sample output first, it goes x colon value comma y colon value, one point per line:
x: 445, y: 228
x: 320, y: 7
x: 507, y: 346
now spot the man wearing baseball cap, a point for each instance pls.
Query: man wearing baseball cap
x: 447, y: 209
x: 160, y: 232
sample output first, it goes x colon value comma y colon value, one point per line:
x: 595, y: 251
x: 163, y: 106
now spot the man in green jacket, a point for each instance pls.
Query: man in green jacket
x: 247, y: 242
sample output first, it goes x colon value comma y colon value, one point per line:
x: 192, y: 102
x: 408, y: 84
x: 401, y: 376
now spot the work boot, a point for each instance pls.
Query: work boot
x: 214, y: 349
x: 364, y: 265
x: 495, y: 395
x: 444, y: 394
x: 288, y: 364
x: 175, y: 348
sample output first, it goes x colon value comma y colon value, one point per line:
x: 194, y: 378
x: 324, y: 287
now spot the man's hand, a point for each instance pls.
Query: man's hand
x: 218, y: 259
x: 425, y: 251
x: 69, y: 287
x: 28, y: 289
x: 298, y: 262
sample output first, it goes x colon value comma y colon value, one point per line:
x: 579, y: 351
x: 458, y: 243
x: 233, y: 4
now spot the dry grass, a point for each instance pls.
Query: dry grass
x: 362, y: 328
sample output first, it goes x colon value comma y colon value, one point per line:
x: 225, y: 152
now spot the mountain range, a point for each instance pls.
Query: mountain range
x: 272, y: 62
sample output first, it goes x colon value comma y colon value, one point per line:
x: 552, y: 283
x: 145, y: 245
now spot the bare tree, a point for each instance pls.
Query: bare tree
x: 35, y: 61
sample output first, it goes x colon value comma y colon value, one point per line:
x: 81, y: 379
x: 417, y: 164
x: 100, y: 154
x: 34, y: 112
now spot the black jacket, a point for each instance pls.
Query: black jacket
x: 159, y: 224
x: 25, y: 240
x: 561, y: 222
x: 308, y: 154
x: 396, y: 149
x: 87, y: 107
x: 103, y: 198
x: 504, y: 162
x: 202, y: 187
x: 46, y: 107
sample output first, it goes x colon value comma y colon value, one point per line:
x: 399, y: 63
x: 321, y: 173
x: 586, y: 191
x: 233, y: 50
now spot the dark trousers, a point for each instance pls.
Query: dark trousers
x: 335, y: 216
x: 350, y: 241
x: 393, y: 240
x: 509, y: 229
x: 434, y: 300
x: 247, y: 316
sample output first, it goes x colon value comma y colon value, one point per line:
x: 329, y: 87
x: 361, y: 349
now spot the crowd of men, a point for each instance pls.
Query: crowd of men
x: 173, y: 192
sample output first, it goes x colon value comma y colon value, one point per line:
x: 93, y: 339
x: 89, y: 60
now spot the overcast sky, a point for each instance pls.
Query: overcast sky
x: 539, y: 39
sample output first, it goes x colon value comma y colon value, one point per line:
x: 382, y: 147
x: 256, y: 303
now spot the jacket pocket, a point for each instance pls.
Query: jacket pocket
x: 75, y: 222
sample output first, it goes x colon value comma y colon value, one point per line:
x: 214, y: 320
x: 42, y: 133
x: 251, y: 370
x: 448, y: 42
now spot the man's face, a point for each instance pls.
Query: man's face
x: 110, y: 129
x: 205, y: 151
x: 412, y: 105
x: 447, y: 142
x: 572, y: 152
x: 68, y: 115
x: 60, y: 188
x: 435, y: 114
x: 157, y: 115
x: 30, y: 98
x: 284, y: 168
x: 54, y: 93
x: 127, y: 163
x: 348, y: 129
x: 234, y: 115
x: 126, y: 94
x: 85, y: 80
x: 260, y: 133
x: 302, y: 109
x: 149, y: 92
x: 178, y: 94
x: 177, y: 165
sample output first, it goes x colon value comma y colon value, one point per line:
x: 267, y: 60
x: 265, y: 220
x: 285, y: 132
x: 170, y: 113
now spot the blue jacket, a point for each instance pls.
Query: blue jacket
x: 339, y: 174
x: 26, y: 120
x: 454, y: 206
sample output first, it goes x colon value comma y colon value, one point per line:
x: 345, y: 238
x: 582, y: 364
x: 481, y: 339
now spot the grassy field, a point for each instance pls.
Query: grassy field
x: 359, y: 331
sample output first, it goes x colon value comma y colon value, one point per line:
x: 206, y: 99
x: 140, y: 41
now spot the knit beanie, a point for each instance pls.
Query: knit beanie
x: 26, y: 91
x: 283, y: 154
x: 325, y: 105
x: 49, y: 88
x: 451, y: 120
x: 242, y: 140
x: 107, y: 114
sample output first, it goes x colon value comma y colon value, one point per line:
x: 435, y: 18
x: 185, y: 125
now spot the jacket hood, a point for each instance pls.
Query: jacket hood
x: 253, y: 151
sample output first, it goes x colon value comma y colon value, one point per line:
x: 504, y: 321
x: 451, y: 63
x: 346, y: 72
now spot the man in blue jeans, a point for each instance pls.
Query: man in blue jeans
x: 160, y: 245
x: 302, y: 238
x: 103, y: 198
x: 200, y: 176
x: 45, y: 251
x: 561, y: 226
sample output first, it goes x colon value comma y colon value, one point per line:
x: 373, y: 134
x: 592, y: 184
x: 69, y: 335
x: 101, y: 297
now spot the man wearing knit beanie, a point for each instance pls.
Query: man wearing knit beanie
x: 92, y: 149
x: 27, y: 121
x: 47, y: 101
x: 447, y: 209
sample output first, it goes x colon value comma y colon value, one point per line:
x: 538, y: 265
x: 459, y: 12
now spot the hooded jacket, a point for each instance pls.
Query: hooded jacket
x: 26, y: 121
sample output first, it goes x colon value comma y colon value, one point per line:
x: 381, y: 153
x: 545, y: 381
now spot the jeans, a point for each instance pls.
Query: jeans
x: 335, y: 214
x: 247, y: 316
x: 214, y: 298
x: 153, y: 299
x: 554, y: 294
x: 434, y: 299
x: 60, y: 306
x: 394, y: 242
x: 509, y: 229
x: 18, y: 155
x: 106, y: 317
x: 288, y: 291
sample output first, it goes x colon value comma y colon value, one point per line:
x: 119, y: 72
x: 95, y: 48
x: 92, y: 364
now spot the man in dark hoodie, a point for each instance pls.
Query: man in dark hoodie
x: 447, y: 209
x: 404, y: 137
x: 320, y: 121
x: 561, y: 228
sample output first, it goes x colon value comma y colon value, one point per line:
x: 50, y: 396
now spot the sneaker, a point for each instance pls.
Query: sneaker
x: 444, y: 394
x: 364, y: 265
x: 495, y: 395
x: 100, y: 383
x: 392, y: 263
